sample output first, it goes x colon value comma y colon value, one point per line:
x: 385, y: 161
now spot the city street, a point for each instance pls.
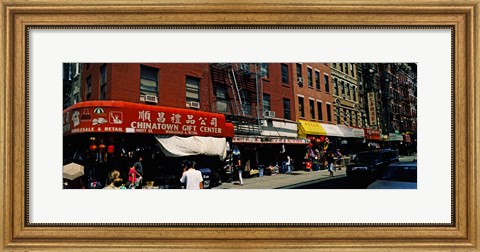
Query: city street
x: 304, y: 180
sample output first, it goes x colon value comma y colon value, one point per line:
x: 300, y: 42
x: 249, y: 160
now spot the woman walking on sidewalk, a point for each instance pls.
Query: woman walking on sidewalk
x: 330, y: 161
x: 237, y: 163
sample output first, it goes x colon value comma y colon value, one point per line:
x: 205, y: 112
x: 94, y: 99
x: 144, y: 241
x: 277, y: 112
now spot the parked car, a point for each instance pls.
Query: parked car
x: 371, y: 164
x: 398, y: 176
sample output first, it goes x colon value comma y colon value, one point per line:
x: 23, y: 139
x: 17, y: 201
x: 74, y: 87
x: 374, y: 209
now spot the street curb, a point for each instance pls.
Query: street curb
x: 310, y: 182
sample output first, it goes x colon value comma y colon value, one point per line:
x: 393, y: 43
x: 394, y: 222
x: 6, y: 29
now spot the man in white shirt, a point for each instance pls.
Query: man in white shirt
x: 191, y: 177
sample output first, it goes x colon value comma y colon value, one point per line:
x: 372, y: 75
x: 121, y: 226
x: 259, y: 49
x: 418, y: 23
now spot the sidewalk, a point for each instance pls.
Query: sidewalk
x: 407, y: 158
x: 278, y: 181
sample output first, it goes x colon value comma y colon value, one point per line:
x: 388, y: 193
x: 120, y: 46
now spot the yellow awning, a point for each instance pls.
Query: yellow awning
x: 310, y: 128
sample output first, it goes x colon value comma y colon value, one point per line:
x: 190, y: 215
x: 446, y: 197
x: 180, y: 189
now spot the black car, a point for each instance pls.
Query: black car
x: 398, y: 176
x: 371, y: 164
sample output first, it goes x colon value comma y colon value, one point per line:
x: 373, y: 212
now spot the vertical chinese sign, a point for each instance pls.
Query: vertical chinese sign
x: 372, y: 114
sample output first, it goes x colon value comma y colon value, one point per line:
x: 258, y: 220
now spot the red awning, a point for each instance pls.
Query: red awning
x: 371, y: 134
x: 128, y: 117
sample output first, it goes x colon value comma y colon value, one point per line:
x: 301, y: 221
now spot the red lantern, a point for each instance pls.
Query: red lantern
x: 101, y: 146
x: 110, y: 149
x: 93, y: 147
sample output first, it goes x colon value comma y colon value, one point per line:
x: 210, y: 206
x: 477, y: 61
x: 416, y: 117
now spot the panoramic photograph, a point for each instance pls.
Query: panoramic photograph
x: 239, y: 126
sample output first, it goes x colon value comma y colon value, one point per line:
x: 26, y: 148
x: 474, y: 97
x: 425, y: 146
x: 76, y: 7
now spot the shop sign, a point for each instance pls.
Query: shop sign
x: 155, y: 120
x: 290, y: 140
x: 246, y: 140
x: 269, y: 140
x: 372, y: 112
x: 372, y: 134
x: 358, y: 133
x: 395, y: 137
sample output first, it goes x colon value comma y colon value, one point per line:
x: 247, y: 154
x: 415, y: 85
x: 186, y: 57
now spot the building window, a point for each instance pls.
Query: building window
x: 319, y: 110
x: 299, y: 70
x: 348, y: 91
x: 348, y: 117
x: 266, y: 102
x: 329, y: 112
x: 103, y: 82
x: 264, y: 70
x: 245, y: 67
x: 301, y: 108
x: 309, y: 75
x: 285, y: 73
x: 351, y: 70
x: 354, y: 118
x: 89, y: 88
x: 286, y: 109
x: 327, y: 84
x: 335, y: 86
x: 354, y: 93
x: 317, y: 80
x: 76, y: 98
x: 222, y: 99
x: 341, y: 67
x: 148, y: 80
x: 247, y: 102
x: 334, y: 65
x: 347, y: 69
x: 312, y: 108
x: 193, y: 89
x: 338, y: 115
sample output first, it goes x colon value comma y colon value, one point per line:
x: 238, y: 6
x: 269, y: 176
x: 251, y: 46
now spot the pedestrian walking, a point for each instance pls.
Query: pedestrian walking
x: 330, y: 161
x: 237, y: 163
x: 132, y: 177
x: 191, y: 178
x: 289, y: 164
x: 139, y: 168
x: 338, y: 155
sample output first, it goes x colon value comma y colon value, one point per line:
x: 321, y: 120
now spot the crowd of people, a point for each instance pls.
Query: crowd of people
x: 191, y: 178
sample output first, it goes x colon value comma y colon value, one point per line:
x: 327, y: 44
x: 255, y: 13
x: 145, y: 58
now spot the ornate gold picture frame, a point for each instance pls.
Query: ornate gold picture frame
x: 18, y: 16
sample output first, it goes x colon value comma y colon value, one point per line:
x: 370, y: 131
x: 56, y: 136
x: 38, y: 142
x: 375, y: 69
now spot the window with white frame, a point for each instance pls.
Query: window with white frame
x: 192, y: 89
x: 222, y: 99
x: 148, y: 80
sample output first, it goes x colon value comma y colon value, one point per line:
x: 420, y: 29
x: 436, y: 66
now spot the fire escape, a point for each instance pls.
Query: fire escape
x: 242, y: 88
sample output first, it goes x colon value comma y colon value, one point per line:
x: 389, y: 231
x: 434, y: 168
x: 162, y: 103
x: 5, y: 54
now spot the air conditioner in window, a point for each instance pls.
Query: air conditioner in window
x: 151, y: 98
x: 193, y: 104
x: 269, y: 114
x: 300, y: 81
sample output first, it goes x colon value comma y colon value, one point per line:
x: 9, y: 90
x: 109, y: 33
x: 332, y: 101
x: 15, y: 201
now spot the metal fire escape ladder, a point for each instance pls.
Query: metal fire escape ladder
x: 236, y: 93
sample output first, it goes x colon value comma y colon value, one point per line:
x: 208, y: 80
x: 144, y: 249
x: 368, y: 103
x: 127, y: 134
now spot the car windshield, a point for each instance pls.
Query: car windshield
x: 401, y: 173
x: 367, y: 158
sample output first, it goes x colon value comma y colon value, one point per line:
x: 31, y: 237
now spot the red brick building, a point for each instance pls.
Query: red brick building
x: 164, y: 84
x: 313, y: 91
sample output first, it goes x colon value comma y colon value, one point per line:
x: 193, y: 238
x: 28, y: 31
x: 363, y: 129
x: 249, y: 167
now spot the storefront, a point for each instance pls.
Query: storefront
x: 395, y: 141
x: 111, y: 135
x: 320, y: 133
x: 277, y: 139
x: 410, y: 144
x: 353, y: 140
x: 323, y: 139
x: 373, y: 139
